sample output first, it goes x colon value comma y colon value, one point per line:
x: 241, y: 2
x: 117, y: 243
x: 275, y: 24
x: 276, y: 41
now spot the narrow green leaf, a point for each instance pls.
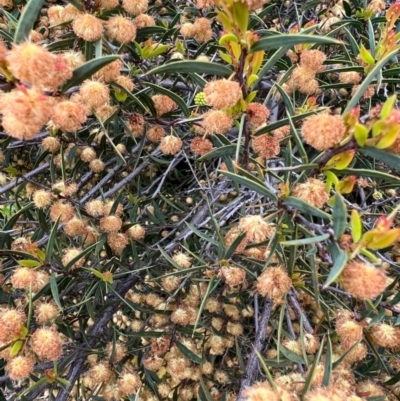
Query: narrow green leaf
x: 287, y: 353
x: 86, y: 70
x: 81, y: 255
x: 367, y: 81
x: 390, y: 159
x: 206, y: 394
x: 16, y: 348
x: 30, y: 388
x: 356, y: 225
x: 27, y: 20
x: 310, y: 375
x: 15, y: 216
x: 189, y: 354
x: 305, y: 241
x: 202, y: 235
x: 265, y: 369
x: 199, y: 67
x: 29, y: 263
x: 280, y: 329
x: 52, y: 240
x: 289, y: 40
x: 211, y: 287
x: 54, y: 290
x: 170, y: 260
x: 339, y: 216
x: 328, y: 364
x: 305, y: 207
x: 371, y: 173
x: 239, y: 355
x: 227, y: 150
x: 177, y: 99
x: 232, y: 248
x: 378, y: 317
x: 393, y: 380
x: 338, y: 266
x: 343, y: 356
x: 284, y: 121
x: 286, y: 99
x: 254, y: 183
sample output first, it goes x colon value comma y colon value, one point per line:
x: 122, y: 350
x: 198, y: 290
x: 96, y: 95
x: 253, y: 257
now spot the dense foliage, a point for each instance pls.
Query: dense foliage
x: 199, y: 200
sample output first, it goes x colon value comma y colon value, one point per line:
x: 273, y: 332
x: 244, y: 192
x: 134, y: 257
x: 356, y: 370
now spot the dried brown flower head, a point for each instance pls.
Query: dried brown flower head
x: 46, y: 343
x: 201, y: 146
x: 136, y: 124
x: 385, y: 335
x: 97, y: 165
x: 323, y: 131
x: 62, y: 209
x: 313, y: 192
x: 121, y: 29
x: 136, y: 232
x: 68, y: 116
x: 144, y: 20
x: 88, y: 27
x: 274, y: 282
x: 222, y: 94
x: 135, y: 7
x: 313, y: 60
x: 20, y: 367
x: 266, y: 146
x: 256, y: 229
x: 155, y: 133
x: 257, y: 114
x: 163, y: 104
x: 170, y: 145
x: 71, y: 254
x: 233, y: 276
x: 33, y: 64
x: 25, y: 112
x: 363, y: 280
x: 215, y: 122
x: 110, y: 224
x: 41, y: 198
x: 350, y: 77
x: 94, y: 94
x: 110, y: 72
x: 117, y: 242
x: 46, y: 312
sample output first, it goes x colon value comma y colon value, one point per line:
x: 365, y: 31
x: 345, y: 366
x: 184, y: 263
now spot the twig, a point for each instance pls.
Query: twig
x: 252, y: 363
x: 96, y: 332
x: 32, y: 173
x: 294, y: 304
x: 199, y: 218
x: 130, y: 176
